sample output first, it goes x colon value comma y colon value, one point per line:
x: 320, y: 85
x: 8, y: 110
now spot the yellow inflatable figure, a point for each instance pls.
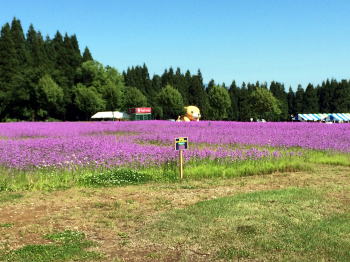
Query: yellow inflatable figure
x: 192, y: 114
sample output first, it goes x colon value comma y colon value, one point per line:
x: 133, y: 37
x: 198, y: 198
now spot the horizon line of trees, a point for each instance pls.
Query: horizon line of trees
x: 51, y: 79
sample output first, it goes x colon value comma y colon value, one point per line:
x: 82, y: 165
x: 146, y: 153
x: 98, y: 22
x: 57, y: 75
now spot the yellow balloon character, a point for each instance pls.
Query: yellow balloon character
x: 192, y: 113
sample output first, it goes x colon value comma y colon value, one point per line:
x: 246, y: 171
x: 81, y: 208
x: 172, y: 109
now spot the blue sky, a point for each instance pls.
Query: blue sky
x: 291, y: 41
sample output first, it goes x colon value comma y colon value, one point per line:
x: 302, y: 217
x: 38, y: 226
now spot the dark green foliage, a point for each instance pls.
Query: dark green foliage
x: 341, y: 98
x: 310, y: 101
x: 299, y: 100
x: 234, y: 95
x: 264, y: 104
x: 220, y: 103
x: 139, y: 77
x: 291, y: 103
x: 134, y: 98
x: 87, y: 101
x: 87, y: 55
x: 51, y: 97
x: 325, y: 94
x: 116, y: 177
x: 171, y: 103
x: 198, y: 96
x: 243, y: 104
x: 19, y: 41
x: 277, y: 89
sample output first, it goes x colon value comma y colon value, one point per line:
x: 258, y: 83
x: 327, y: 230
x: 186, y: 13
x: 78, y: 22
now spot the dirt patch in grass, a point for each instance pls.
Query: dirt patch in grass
x: 114, y: 216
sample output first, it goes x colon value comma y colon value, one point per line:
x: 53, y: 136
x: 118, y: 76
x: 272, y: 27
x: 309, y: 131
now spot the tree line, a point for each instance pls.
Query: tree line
x: 43, y: 78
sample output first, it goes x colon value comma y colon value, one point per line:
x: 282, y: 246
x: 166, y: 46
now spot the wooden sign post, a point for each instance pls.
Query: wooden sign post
x: 181, y: 165
x: 181, y: 144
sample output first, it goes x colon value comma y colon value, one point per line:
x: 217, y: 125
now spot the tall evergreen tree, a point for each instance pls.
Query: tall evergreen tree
x: 234, y: 96
x: 310, y: 100
x: 325, y: 95
x: 11, y: 91
x: 19, y: 41
x: 87, y: 55
x: 243, y: 104
x: 277, y: 89
x: 35, y: 45
x: 341, y: 99
x: 299, y: 100
x: 291, y: 103
x: 198, y: 96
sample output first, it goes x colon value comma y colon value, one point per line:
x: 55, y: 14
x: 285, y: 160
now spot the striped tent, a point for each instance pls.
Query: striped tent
x: 312, y: 117
x: 339, y: 117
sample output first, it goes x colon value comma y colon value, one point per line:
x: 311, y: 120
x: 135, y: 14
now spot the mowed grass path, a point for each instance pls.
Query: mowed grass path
x: 288, y: 216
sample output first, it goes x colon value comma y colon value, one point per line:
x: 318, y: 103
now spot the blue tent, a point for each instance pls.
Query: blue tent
x: 339, y: 117
x: 311, y: 117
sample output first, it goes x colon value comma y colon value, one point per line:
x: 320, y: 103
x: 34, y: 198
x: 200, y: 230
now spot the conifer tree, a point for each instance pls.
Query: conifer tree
x: 243, y: 104
x: 10, y: 78
x: 198, y: 96
x: 291, y: 103
x: 277, y: 89
x: 234, y: 95
x: 19, y: 41
x: 36, y: 48
x: 325, y: 94
x: 310, y: 100
x: 87, y: 55
x: 342, y: 97
x: 299, y: 100
x: 9, y: 63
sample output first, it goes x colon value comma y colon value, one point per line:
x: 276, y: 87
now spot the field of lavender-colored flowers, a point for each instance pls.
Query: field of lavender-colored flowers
x: 143, y: 143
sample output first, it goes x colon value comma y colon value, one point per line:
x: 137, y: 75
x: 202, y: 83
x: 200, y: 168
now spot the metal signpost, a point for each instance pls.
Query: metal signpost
x: 181, y: 143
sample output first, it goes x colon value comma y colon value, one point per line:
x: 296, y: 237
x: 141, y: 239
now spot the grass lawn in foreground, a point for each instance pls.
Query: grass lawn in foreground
x: 284, y: 216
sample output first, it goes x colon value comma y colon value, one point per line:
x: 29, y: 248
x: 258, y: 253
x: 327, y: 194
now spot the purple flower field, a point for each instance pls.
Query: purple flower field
x: 66, y: 144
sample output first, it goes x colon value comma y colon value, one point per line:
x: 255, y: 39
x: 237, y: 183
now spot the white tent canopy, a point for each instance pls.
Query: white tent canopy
x: 110, y: 115
x: 337, y: 117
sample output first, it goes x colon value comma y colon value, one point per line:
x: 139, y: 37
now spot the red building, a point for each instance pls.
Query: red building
x: 140, y: 113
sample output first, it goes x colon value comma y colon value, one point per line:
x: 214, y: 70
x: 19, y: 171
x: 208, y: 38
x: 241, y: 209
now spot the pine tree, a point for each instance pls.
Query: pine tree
x: 198, y: 96
x: 180, y: 84
x: 87, y: 55
x: 72, y: 57
x: 342, y: 97
x: 37, y: 53
x: 234, y: 96
x: 277, y: 89
x: 299, y: 100
x: 324, y: 94
x: 19, y: 41
x: 211, y: 84
x: 10, y: 76
x: 243, y: 104
x: 9, y: 62
x: 310, y: 100
x: 291, y: 103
